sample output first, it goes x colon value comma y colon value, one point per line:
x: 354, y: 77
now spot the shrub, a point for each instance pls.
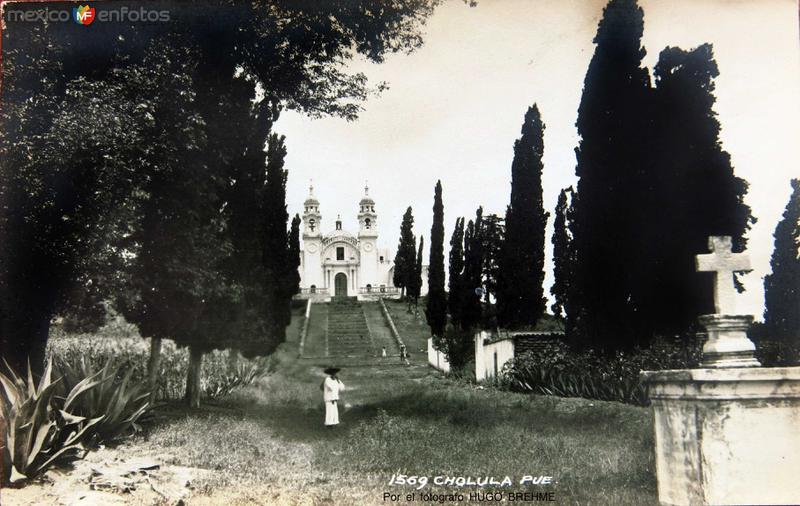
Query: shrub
x: 37, y: 433
x: 222, y: 385
x: 132, y: 353
x: 558, y: 371
x: 114, y: 399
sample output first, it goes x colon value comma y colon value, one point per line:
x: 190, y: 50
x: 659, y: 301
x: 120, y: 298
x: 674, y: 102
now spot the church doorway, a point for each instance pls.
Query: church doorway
x: 340, y: 284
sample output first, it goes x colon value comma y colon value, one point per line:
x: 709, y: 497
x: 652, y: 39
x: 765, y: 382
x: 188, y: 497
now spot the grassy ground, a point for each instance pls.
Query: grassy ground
x: 266, y: 444
x: 412, y: 327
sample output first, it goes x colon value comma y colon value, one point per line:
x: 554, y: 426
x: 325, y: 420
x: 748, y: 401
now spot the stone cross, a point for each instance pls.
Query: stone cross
x: 723, y: 263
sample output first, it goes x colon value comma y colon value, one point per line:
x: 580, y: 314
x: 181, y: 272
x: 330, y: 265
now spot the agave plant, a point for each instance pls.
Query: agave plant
x: 37, y: 435
x: 222, y: 385
x: 118, y: 403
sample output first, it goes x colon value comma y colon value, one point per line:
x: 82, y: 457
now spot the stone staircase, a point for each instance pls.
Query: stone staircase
x: 348, y: 333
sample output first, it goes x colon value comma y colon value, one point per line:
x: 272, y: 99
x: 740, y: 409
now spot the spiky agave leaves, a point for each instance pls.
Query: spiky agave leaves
x: 37, y: 435
x: 118, y: 403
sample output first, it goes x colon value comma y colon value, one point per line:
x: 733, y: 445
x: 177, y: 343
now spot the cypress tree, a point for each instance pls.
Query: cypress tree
x: 454, y: 299
x: 291, y: 277
x: 613, y: 140
x: 472, y: 279
x: 405, y: 259
x: 522, y: 295
x: 563, y: 253
x: 693, y: 194
x: 415, y: 287
x: 493, y: 240
x: 275, y: 252
x: 782, y: 286
x: 436, y: 310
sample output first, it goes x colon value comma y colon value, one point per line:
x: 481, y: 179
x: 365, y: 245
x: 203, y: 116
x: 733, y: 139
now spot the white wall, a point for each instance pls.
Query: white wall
x: 436, y: 358
x: 491, y: 357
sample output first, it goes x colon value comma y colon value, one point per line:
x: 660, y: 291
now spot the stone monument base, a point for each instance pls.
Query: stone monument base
x: 727, y: 435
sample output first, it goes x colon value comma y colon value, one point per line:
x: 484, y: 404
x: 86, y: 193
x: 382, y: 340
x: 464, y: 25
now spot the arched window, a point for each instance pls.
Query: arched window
x: 313, y: 289
x: 312, y: 223
x: 368, y: 223
x: 369, y: 287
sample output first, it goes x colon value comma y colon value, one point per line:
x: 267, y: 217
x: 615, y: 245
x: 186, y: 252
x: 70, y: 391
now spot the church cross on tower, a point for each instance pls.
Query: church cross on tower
x: 723, y: 263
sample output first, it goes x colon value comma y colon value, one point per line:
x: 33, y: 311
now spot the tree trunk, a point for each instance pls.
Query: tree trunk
x: 233, y: 359
x: 192, y: 396
x: 154, y: 367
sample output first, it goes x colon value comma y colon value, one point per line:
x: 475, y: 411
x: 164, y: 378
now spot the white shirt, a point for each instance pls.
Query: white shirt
x: 331, y: 389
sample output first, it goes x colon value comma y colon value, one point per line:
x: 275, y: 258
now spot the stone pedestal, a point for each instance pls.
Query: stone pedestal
x: 727, y: 435
x: 728, y: 344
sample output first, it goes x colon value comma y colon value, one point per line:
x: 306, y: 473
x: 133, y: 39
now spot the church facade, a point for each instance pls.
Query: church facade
x: 340, y: 263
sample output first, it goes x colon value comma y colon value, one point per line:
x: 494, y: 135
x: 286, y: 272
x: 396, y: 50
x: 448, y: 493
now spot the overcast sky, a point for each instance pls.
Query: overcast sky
x: 455, y: 107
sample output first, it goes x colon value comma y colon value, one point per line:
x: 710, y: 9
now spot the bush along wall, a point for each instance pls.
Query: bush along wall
x: 555, y: 370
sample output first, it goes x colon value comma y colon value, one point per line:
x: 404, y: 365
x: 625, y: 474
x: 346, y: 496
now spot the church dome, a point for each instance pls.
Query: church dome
x: 366, y: 200
x: 311, y: 200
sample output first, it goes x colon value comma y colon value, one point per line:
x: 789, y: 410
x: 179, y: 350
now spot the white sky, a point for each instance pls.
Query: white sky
x: 455, y: 107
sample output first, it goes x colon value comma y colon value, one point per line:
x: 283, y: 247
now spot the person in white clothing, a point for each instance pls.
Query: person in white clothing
x: 331, y: 387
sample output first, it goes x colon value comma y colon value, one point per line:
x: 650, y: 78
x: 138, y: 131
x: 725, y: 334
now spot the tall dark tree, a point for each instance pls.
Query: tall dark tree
x: 692, y: 193
x: 405, y: 259
x: 56, y: 207
x: 291, y: 283
x: 436, y: 310
x: 563, y: 253
x: 521, y: 299
x: 493, y: 239
x: 177, y: 274
x: 415, y: 288
x: 782, y: 286
x: 456, y: 342
x: 275, y: 253
x: 295, y: 51
x: 612, y: 125
x: 472, y: 279
x: 456, y: 282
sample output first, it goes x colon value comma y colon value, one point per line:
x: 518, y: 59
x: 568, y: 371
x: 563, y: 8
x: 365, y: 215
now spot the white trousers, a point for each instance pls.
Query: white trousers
x: 332, y: 413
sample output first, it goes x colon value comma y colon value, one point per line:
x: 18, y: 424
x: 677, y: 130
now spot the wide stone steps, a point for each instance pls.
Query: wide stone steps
x: 348, y: 333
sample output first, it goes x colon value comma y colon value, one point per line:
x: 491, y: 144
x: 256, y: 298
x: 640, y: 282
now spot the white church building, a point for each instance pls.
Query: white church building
x: 339, y: 263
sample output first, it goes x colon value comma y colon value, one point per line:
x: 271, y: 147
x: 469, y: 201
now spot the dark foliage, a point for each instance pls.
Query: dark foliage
x: 493, y: 238
x: 57, y: 210
x: 472, y: 279
x: 436, y: 310
x: 654, y: 183
x: 556, y: 370
x: 563, y: 253
x: 415, y: 285
x: 405, y: 259
x: 691, y: 193
x: 455, y: 282
x: 521, y: 299
x: 782, y: 286
x: 611, y: 120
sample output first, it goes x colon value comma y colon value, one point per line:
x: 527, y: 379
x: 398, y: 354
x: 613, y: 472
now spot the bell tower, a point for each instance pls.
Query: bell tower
x: 367, y: 218
x: 367, y: 240
x: 311, y: 264
x: 312, y: 219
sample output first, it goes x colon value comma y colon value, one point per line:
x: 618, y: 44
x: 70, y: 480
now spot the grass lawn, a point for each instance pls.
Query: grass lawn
x: 267, y: 443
